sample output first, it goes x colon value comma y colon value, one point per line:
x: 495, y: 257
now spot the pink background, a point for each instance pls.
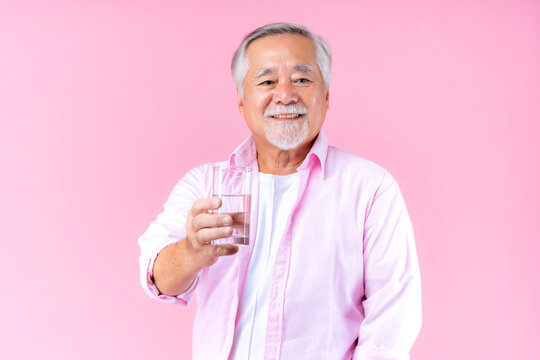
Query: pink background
x: 105, y: 105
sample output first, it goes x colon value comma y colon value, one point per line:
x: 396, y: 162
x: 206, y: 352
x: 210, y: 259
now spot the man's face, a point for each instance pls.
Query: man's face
x: 284, y: 101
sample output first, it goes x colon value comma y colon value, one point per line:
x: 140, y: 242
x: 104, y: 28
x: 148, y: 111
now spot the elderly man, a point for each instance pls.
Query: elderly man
x: 331, y: 270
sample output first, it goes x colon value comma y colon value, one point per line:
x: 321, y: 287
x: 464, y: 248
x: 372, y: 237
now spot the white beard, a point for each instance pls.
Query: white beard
x: 286, y: 134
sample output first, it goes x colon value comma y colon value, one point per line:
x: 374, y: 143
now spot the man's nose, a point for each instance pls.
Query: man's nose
x: 285, y: 93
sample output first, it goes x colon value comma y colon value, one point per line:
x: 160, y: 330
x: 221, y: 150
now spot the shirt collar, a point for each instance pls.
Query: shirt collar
x: 317, y: 154
x: 246, y: 154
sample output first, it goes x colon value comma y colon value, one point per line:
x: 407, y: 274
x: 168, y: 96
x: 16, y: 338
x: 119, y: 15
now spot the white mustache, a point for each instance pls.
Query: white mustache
x: 285, y: 110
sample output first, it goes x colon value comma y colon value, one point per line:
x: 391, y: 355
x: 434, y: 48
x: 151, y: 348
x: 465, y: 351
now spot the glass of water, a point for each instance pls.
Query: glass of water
x: 232, y: 184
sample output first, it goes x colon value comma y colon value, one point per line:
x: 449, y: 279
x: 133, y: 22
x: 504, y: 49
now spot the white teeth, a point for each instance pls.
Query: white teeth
x: 286, y: 116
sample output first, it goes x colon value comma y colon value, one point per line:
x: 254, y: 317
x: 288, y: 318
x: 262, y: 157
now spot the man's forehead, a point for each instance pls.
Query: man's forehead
x: 267, y: 54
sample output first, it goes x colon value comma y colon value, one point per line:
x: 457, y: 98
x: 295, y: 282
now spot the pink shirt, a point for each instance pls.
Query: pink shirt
x: 345, y: 284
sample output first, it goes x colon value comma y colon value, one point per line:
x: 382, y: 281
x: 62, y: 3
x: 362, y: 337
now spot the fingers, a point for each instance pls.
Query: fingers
x: 204, y: 205
x: 240, y: 218
x: 202, y: 221
x: 203, y: 227
x: 207, y: 227
x: 204, y: 236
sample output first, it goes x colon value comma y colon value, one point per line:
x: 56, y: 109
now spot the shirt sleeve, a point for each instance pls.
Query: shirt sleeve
x: 392, y: 304
x: 168, y: 228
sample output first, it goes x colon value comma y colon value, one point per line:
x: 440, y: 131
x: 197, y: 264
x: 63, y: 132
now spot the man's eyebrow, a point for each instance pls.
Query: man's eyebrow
x: 263, y: 71
x: 304, y: 68
x: 300, y: 67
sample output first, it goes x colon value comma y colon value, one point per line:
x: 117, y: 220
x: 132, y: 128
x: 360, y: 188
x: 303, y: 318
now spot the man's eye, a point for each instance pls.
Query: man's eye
x: 267, y: 82
x: 303, y: 81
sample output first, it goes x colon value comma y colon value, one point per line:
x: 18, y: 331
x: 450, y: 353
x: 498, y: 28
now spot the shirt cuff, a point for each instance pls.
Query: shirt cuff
x: 180, y: 299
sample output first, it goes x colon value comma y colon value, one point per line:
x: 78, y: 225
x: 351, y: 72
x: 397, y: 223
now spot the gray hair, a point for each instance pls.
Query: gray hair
x: 240, y: 63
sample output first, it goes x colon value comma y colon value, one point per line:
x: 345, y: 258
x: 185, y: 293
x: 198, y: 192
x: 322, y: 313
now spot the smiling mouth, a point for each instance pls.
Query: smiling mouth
x: 286, y: 116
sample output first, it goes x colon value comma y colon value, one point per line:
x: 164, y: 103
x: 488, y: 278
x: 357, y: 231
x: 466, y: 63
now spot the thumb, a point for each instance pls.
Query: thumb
x: 224, y: 250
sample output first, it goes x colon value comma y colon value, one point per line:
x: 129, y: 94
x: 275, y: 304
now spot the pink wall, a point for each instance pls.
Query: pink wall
x: 104, y: 105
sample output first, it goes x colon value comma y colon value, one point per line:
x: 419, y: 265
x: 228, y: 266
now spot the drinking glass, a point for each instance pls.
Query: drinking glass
x: 232, y: 184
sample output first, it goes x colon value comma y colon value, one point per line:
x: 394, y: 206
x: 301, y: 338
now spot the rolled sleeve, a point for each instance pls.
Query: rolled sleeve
x: 151, y: 289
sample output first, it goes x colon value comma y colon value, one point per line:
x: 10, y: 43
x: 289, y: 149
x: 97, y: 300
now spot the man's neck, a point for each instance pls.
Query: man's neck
x: 272, y: 160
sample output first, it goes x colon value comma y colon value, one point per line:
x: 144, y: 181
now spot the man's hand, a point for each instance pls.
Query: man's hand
x: 177, y: 265
x: 203, y: 227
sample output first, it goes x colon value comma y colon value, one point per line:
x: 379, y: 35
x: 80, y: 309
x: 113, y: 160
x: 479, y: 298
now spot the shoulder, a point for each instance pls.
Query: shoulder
x: 344, y: 164
x: 197, y: 180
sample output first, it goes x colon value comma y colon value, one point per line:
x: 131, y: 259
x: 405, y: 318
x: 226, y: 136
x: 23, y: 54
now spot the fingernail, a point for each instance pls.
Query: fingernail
x: 226, y: 220
x: 226, y: 231
x: 215, y: 202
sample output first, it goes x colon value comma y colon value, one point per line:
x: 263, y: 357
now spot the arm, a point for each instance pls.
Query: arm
x: 178, y: 264
x: 392, y: 305
x: 175, y: 247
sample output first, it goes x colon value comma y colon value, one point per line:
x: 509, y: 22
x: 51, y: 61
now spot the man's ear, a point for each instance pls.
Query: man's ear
x: 240, y: 102
x: 328, y: 96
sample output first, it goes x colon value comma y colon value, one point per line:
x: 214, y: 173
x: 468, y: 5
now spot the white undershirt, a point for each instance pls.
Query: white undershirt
x: 277, y: 195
